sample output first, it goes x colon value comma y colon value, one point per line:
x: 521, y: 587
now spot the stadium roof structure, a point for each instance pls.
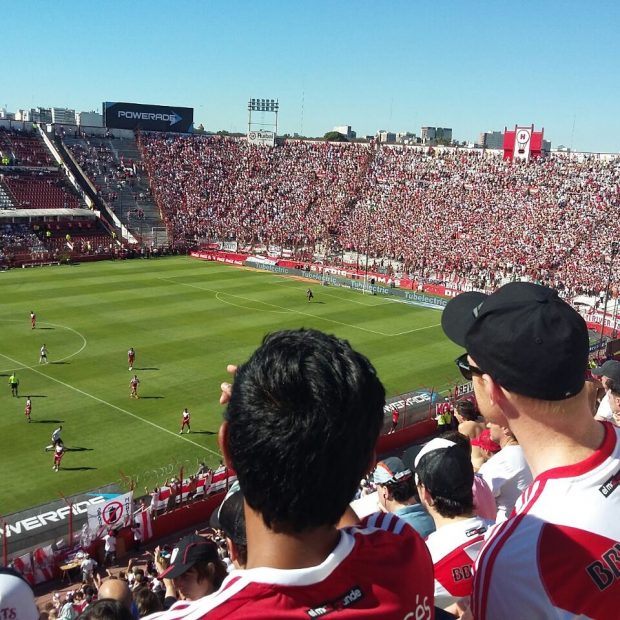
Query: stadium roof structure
x: 26, y: 213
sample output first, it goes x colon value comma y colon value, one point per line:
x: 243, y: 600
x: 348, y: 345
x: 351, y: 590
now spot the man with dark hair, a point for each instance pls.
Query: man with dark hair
x: 609, y: 373
x: 445, y: 479
x: 468, y: 418
x: 300, y: 429
x: 397, y: 493
x: 557, y: 554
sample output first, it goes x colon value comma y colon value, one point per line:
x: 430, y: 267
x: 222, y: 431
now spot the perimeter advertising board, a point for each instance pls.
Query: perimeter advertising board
x: 121, y: 115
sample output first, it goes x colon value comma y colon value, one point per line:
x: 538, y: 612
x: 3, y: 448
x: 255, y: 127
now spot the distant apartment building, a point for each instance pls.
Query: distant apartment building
x: 89, y: 119
x: 346, y: 130
x: 435, y: 135
x: 63, y: 116
x: 386, y: 137
x: 406, y: 137
x: 491, y: 140
x: 41, y: 115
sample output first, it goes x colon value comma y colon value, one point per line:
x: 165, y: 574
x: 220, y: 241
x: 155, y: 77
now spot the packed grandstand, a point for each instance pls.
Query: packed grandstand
x: 423, y: 217
x: 467, y: 217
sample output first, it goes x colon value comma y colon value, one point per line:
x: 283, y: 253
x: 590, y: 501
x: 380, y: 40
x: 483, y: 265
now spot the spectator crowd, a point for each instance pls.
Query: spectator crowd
x: 451, y: 215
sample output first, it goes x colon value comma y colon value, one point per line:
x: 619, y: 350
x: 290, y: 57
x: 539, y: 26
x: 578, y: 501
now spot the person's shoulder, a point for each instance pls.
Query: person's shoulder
x: 392, y: 535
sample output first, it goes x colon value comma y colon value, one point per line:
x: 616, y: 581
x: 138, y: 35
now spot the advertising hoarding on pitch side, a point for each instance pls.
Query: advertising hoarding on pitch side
x: 121, y: 115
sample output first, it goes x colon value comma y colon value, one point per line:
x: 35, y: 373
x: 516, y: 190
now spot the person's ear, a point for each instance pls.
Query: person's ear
x: 222, y: 439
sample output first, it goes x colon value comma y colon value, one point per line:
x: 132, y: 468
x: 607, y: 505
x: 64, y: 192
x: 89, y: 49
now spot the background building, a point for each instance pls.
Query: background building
x: 387, y: 137
x: 346, y: 130
x: 492, y: 140
x: 435, y: 135
x: 89, y: 119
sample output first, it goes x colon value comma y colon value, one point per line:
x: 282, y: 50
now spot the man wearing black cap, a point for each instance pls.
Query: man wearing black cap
x: 445, y: 477
x: 557, y: 554
x: 195, y: 567
x: 610, y: 370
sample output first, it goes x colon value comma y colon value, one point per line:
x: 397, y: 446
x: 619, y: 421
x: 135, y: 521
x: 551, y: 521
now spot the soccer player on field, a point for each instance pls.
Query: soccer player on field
x: 59, y: 451
x: 309, y: 295
x: 55, y: 439
x: 43, y: 355
x: 133, y: 387
x: 185, y: 421
x: 131, y: 356
x: 33, y: 319
x: 28, y: 409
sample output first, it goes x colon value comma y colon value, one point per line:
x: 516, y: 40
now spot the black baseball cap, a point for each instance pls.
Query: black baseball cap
x: 187, y: 552
x: 230, y: 517
x: 611, y: 369
x: 446, y: 472
x: 524, y: 336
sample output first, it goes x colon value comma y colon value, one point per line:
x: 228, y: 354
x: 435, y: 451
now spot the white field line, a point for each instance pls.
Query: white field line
x: 308, y: 314
x: 105, y: 402
x: 62, y: 359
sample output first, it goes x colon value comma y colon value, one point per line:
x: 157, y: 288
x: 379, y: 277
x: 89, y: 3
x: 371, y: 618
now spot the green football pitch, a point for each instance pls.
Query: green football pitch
x: 187, y: 319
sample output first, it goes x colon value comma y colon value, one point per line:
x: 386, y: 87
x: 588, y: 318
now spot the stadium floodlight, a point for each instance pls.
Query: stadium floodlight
x: 262, y: 129
x: 263, y: 105
x: 615, y: 247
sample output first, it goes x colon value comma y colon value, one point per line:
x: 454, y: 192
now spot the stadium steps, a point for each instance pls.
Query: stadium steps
x: 7, y: 200
x: 127, y: 149
x: 125, y: 206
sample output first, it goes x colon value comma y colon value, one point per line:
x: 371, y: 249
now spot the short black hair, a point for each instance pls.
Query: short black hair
x: 467, y: 409
x: 459, y: 439
x: 403, y: 491
x: 106, y: 609
x: 304, y: 416
x: 613, y: 387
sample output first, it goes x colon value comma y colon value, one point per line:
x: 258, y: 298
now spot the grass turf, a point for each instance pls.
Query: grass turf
x: 186, y: 319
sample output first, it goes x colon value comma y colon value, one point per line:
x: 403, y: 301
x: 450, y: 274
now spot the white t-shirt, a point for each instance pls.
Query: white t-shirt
x: 507, y: 475
x: 110, y: 542
x: 604, y: 411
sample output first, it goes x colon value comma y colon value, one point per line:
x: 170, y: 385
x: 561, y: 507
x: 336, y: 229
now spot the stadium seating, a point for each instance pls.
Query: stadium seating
x: 40, y: 190
x: 24, y: 149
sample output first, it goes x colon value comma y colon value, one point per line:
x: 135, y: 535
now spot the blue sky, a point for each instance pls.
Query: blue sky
x: 471, y: 65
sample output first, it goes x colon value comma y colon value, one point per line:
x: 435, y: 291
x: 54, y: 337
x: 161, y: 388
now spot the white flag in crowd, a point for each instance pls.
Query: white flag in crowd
x: 112, y: 514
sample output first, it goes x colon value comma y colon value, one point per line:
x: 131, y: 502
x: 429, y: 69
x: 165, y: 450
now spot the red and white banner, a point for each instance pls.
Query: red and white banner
x: 219, y: 480
x: 143, y: 521
x: 23, y: 565
x: 43, y: 564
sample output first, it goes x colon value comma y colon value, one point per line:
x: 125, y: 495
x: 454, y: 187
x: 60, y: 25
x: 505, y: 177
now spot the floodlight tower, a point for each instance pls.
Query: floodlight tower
x: 263, y: 105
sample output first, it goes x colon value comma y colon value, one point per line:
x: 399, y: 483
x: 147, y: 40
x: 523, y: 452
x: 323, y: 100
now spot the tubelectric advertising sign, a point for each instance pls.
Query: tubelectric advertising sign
x: 120, y: 115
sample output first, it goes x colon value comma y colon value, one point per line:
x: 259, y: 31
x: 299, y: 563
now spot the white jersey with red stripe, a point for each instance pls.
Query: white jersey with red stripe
x: 381, y: 569
x: 454, y: 549
x: 558, y: 555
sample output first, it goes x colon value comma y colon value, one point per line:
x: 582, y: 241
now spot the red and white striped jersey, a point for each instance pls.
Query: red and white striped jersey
x: 558, y: 555
x: 381, y: 569
x: 454, y: 549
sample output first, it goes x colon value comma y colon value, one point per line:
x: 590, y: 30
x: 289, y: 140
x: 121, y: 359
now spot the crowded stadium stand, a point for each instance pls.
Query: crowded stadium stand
x: 114, y: 168
x: 450, y: 215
